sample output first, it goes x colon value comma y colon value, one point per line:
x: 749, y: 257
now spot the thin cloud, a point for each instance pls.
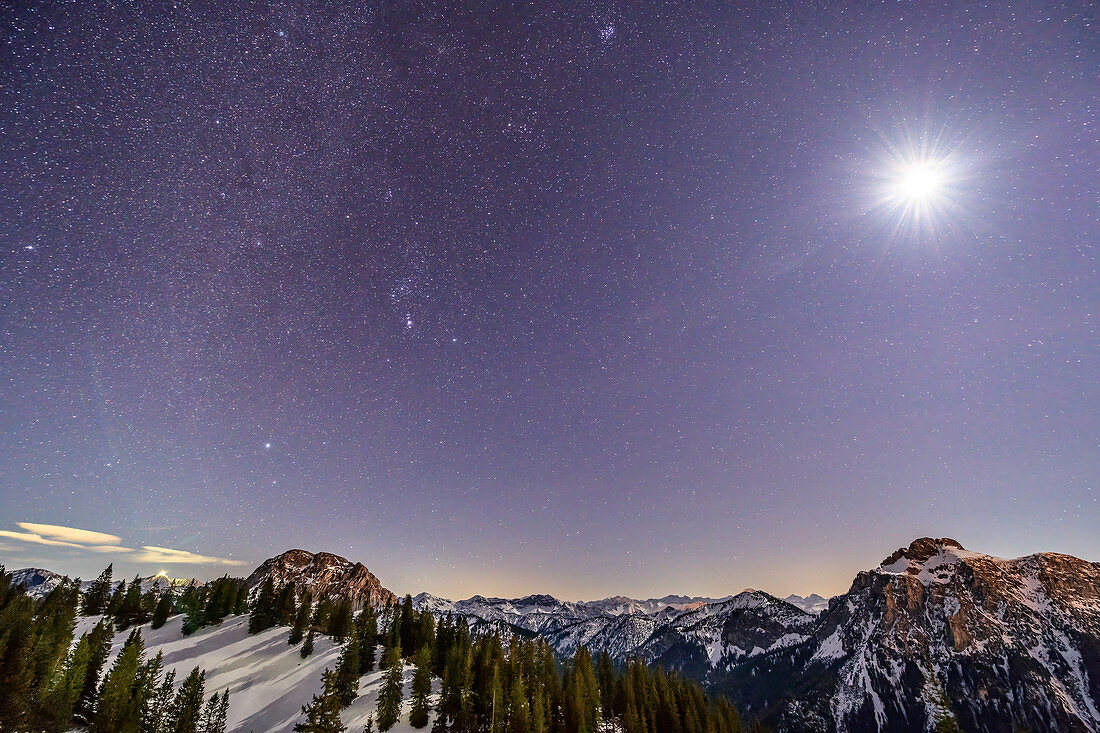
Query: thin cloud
x: 71, y: 534
x: 166, y: 555
x: 37, y: 539
x: 55, y: 535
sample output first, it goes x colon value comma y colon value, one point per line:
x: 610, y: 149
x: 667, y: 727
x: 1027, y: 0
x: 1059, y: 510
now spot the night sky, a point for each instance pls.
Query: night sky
x: 573, y: 298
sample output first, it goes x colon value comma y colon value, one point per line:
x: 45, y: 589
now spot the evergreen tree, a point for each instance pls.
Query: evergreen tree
x: 16, y: 650
x: 59, y: 699
x: 323, y: 712
x: 301, y: 619
x: 369, y: 727
x: 347, y: 672
x: 190, y: 604
x: 262, y: 614
x: 240, y: 603
x: 116, y: 708
x: 222, y: 599
x: 129, y: 607
x: 155, y: 712
x: 115, y: 601
x: 307, y: 647
x: 582, y: 695
x: 322, y: 613
x: 214, y: 714
x: 163, y: 610
x: 519, y: 712
x: 99, y: 642
x: 185, y: 712
x: 339, y: 623
x: 149, y: 600
x: 421, y: 688
x: 389, y: 697
x: 605, y: 676
x: 366, y: 628
x: 406, y: 626
x: 285, y: 606
x: 98, y: 593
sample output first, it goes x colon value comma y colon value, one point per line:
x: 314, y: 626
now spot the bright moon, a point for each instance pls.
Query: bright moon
x: 918, y: 189
x: 919, y: 182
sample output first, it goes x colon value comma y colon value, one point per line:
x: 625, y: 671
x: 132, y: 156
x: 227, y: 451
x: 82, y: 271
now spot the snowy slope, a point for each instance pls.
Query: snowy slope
x: 268, y: 681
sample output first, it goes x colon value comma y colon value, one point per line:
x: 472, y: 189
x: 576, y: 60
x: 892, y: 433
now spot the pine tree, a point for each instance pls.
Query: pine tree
x: 307, y: 647
x: 262, y: 614
x: 605, y: 676
x: 389, y: 697
x: 519, y: 712
x: 98, y: 593
x: 220, y: 601
x: 163, y: 610
x: 582, y: 694
x: 339, y: 623
x: 421, y: 688
x: 347, y: 672
x: 116, y: 709
x: 155, y: 712
x: 146, y: 687
x: 285, y: 606
x: 322, y: 613
x: 406, y: 625
x: 366, y: 628
x: 16, y: 649
x: 129, y: 607
x: 214, y: 714
x: 185, y: 712
x: 115, y: 601
x: 323, y: 712
x: 301, y: 619
x: 99, y: 641
x: 369, y: 727
x: 59, y: 699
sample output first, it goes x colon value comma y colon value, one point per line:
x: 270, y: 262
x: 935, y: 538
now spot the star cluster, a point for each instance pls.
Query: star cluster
x: 575, y: 299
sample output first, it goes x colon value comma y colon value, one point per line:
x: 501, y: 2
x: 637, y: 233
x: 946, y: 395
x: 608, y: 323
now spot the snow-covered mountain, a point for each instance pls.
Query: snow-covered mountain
x: 323, y: 574
x: 932, y: 632
x: 813, y: 603
x: 720, y: 634
x: 937, y: 631
x: 39, y: 582
x: 691, y: 635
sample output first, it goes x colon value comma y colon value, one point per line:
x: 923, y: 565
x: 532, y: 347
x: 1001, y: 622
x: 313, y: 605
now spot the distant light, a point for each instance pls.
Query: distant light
x: 267, y: 446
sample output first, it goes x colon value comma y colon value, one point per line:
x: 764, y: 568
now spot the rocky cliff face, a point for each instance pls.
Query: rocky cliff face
x: 938, y: 632
x: 324, y: 574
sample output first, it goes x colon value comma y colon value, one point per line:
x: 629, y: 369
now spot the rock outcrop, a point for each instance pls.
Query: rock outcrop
x: 324, y: 574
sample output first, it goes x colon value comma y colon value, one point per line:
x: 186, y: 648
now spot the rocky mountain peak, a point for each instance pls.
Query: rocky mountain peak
x: 921, y: 550
x: 324, y: 574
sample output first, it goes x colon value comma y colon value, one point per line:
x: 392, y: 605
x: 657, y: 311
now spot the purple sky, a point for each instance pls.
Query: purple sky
x: 622, y: 299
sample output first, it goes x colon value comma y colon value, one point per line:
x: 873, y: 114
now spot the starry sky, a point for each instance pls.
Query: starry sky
x: 577, y: 298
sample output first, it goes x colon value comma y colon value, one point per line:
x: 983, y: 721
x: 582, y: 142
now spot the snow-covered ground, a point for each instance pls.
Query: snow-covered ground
x: 268, y: 680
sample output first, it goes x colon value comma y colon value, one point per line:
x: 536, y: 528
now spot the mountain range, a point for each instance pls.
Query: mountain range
x: 38, y: 582
x: 933, y: 634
